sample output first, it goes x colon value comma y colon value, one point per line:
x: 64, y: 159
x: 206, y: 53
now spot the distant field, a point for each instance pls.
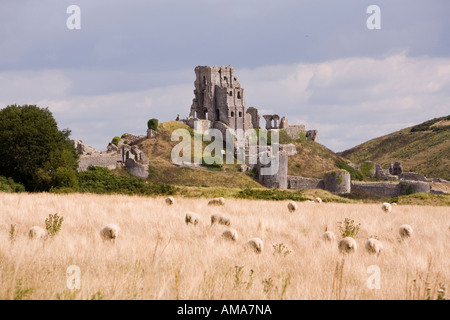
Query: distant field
x: 157, y: 256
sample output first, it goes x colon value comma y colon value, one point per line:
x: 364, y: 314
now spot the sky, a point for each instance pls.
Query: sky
x: 314, y: 61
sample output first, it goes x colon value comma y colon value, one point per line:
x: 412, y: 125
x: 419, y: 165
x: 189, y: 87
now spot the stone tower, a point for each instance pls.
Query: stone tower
x: 218, y: 97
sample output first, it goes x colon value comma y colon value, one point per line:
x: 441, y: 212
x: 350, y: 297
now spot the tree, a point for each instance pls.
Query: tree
x: 33, y: 150
x: 153, y: 124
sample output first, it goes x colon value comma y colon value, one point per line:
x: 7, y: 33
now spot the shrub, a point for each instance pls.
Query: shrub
x: 354, y: 174
x: 152, y: 173
x: 271, y: 194
x: 124, y: 135
x: 115, y: 140
x: 66, y: 178
x: 301, y: 137
x: 366, y: 168
x: 284, y: 138
x: 425, y: 126
x: 216, y: 162
x: 281, y: 249
x: 8, y: 185
x: 348, y: 228
x: 21, y: 293
x: 103, y: 181
x: 12, y: 232
x: 153, y: 124
x: 53, y: 224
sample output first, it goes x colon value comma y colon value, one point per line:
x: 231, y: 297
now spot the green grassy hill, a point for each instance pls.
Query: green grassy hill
x: 161, y: 168
x: 424, y: 148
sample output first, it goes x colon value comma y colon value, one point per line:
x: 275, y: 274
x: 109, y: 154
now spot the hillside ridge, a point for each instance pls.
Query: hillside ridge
x: 423, y: 148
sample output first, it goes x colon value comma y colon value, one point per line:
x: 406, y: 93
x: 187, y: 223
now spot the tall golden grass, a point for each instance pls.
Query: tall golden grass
x: 158, y: 256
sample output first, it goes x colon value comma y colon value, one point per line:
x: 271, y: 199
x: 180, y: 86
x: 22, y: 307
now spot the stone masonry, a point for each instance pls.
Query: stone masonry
x: 219, y: 103
x: 122, y: 155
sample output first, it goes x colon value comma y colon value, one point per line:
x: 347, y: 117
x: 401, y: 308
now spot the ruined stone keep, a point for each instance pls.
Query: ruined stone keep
x: 218, y: 97
x: 219, y: 103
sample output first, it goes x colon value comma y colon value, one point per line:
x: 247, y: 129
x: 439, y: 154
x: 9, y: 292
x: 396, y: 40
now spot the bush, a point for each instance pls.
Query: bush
x: 152, y: 173
x: 103, y: 181
x: 348, y: 228
x: 354, y: 174
x: 8, y: 185
x: 284, y: 137
x: 66, y: 178
x: 115, y: 140
x: 153, y: 124
x: 271, y: 194
x: 301, y: 137
x: 425, y: 126
x: 367, y: 168
x: 53, y: 224
x: 216, y: 162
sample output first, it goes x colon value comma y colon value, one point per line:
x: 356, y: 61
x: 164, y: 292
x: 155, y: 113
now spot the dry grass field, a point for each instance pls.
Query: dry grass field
x: 158, y: 256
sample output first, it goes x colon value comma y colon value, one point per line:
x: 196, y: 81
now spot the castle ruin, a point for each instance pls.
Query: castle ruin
x: 219, y: 103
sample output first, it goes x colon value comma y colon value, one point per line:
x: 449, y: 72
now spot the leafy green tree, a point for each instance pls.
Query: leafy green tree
x: 153, y: 124
x: 32, y: 149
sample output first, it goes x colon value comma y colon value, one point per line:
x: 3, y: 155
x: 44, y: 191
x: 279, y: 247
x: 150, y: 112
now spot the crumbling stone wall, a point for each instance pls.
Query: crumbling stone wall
x: 108, y: 160
x: 284, y: 123
x: 395, y: 168
x: 279, y: 179
x: 410, y: 187
x: 137, y: 169
x: 379, y: 188
x: 311, y: 135
x: 123, y: 155
x: 199, y: 124
x: 302, y: 183
x: 294, y: 131
x: 391, y: 189
x: 412, y: 176
x: 337, y: 181
x: 82, y: 149
x: 383, y: 174
x: 254, y: 118
x: 272, y: 121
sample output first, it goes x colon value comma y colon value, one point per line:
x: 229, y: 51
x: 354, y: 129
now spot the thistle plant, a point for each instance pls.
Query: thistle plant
x: 348, y: 228
x: 12, y: 233
x: 53, y: 224
x: 281, y: 249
